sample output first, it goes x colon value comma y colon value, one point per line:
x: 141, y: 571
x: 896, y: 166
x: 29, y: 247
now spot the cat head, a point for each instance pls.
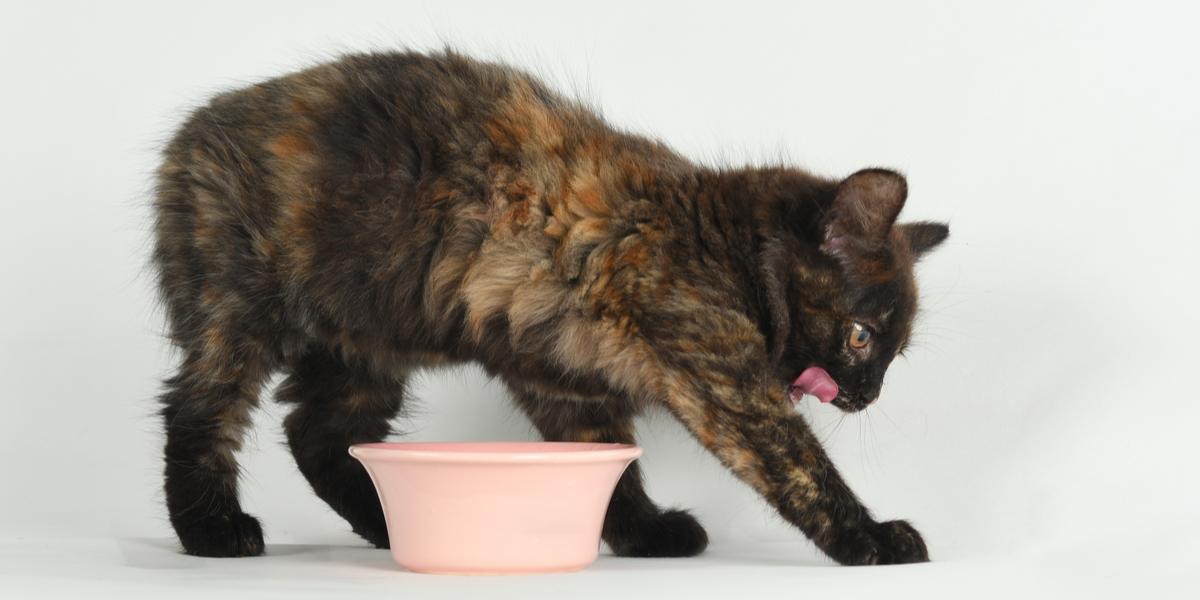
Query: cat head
x: 844, y: 295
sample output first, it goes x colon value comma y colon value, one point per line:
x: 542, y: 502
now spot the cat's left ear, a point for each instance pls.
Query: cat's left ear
x: 863, y: 212
x: 924, y: 236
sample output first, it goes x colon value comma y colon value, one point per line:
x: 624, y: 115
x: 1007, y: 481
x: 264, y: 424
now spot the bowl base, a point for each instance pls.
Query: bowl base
x: 495, y: 572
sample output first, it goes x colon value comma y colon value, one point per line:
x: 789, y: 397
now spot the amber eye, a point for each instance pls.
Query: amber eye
x: 860, y: 336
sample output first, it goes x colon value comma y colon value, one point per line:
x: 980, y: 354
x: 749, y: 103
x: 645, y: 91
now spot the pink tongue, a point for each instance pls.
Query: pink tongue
x: 814, y: 381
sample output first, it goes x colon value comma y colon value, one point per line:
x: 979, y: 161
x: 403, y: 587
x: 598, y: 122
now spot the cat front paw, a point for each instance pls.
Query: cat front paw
x: 222, y: 535
x: 900, y: 543
x: 888, y: 543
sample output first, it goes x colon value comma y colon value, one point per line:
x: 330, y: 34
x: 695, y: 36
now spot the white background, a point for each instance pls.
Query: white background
x: 1041, y: 434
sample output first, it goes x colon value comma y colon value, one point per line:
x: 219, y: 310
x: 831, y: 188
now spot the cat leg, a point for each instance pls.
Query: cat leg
x: 755, y: 433
x: 206, y: 415
x: 633, y: 525
x: 721, y: 388
x: 339, y: 403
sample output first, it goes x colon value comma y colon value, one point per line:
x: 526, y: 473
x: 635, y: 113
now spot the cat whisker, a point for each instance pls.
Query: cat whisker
x: 890, y: 420
x: 874, y: 439
x: 837, y: 426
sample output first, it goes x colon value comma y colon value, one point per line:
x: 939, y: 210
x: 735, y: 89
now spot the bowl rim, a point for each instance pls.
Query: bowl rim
x: 461, y: 452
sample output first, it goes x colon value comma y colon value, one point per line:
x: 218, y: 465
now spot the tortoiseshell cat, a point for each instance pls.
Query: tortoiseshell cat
x: 361, y: 219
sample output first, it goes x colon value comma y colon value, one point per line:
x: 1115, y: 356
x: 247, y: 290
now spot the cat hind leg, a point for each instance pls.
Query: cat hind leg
x: 634, y: 525
x: 339, y: 403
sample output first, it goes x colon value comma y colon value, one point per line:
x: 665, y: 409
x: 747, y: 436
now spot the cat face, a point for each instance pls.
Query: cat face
x: 854, y: 297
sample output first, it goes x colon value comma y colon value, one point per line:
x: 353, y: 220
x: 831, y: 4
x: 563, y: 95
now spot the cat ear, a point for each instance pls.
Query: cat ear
x: 863, y: 211
x: 924, y: 236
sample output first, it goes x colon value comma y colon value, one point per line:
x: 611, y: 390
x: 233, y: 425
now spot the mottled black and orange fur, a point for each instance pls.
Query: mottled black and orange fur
x: 361, y: 219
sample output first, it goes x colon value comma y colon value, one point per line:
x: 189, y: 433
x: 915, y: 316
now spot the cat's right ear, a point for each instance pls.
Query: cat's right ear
x: 863, y: 211
x: 924, y: 236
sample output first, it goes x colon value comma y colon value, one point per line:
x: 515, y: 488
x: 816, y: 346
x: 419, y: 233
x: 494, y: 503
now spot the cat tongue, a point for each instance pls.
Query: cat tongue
x: 817, y: 382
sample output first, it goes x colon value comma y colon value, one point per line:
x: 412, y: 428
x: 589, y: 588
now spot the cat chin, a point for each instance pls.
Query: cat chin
x: 849, y: 406
x: 842, y: 402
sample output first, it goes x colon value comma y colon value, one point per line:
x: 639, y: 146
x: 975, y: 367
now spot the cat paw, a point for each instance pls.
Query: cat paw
x: 889, y: 543
x: 222, y: 535
x: 667, y: 534
x: 375, y: 535
x: 900, y: 543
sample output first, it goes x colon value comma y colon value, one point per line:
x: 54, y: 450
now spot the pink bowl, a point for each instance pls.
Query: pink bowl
x: 503, y: 507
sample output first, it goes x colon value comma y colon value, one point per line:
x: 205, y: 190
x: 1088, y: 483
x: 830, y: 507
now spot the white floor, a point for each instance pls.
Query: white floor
x: 105, y: 568
x: 1041, y: 433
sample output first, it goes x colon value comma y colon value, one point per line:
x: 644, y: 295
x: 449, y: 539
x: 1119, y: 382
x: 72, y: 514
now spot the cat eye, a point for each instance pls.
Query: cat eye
x: 860, y: 336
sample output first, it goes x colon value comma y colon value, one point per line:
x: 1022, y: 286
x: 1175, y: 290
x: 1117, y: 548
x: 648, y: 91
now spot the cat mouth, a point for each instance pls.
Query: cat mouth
x: 814, y: 381
x: 817, y: 382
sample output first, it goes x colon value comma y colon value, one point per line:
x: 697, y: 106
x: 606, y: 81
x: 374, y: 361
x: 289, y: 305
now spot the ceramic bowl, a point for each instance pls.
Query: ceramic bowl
x: 494, y: 507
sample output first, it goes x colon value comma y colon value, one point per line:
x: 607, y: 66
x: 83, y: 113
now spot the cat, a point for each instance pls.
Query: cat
x: 364, y: 218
